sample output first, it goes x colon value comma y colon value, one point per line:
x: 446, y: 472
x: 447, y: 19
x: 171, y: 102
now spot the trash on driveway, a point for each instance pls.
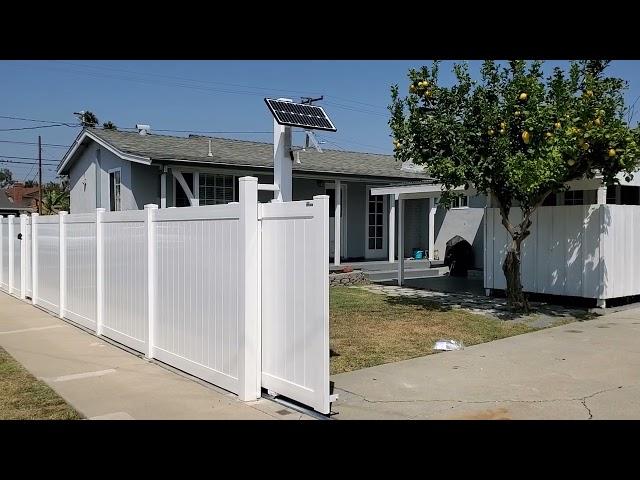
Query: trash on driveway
x: 448, y: 345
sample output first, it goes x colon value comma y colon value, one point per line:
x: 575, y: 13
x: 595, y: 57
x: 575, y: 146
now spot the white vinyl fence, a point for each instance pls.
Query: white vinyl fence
x: 236, y: 294
x: 585, y: 251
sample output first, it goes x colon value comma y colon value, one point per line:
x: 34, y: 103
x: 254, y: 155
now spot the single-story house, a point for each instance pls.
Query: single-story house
x: 8, y: 206
x: 119, y: 170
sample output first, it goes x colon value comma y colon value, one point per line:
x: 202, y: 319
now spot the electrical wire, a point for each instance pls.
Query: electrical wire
x: 30, y: 158
x: 35, y: 143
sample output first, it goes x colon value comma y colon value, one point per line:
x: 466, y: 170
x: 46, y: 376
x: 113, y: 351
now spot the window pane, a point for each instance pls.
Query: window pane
x: 112, y: 192
x: 379, y: 218
x: 378, y: 243
x: 372, y: 219
x: 372, y: 244
x: 372, y: 231
x: 379, y: 231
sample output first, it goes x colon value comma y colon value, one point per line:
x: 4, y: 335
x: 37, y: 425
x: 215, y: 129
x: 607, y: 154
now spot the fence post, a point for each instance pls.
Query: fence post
x: 23, y: 256
x: 248, y: 295
x: 34, y: 258
x: 63, y: 264
x: 10, y: 250
x: 151, y: 278
x: 99, y: 271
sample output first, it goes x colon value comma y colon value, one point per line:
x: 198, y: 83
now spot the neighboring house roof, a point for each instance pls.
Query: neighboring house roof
x: 236, y: 153
x: 8, y: 205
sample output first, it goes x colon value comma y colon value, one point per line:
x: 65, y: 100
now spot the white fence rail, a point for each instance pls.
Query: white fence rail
x: 236, y: 294
x: 584, y: 251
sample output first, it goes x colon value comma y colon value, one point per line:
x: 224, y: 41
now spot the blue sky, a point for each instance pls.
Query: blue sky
x: 221, y: 96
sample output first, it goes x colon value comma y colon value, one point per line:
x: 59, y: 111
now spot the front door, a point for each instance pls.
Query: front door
x: 376, y: 226
x: 331, y: 191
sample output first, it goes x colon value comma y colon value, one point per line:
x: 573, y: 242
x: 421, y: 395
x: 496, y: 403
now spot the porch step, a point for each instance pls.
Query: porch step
x: 387, y: 275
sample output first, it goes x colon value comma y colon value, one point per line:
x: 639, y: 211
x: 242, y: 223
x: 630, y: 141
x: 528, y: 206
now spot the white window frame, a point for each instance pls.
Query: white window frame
x: 572, y: 194
x: 109, y: 172
x: 217, y: 174
x: 376, y: 253
x: 457, y: 206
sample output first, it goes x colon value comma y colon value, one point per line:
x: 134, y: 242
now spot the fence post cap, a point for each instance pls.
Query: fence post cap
x: 248, y: 179
x: 150, y: 206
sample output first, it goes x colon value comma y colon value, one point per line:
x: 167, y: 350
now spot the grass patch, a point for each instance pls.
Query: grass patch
x: 368, y: 329
x: 24, y: 397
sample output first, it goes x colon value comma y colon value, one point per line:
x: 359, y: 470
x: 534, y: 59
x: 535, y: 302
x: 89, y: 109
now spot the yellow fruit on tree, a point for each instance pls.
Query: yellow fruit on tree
x: 549, y: 134
x: 502, y: 130
x: 523, y: 96
x: 590, y: 93
x: 557, y: 125
x: 585, y: 146
x: 612, y: 152
x: 517, y: 113
x: 427, y: 93
x: 490, y: 132
x: 412, y: 88
x: 598, y: 121
x: 503, y: 125
x: 571, y: 162
x: 526, y: 138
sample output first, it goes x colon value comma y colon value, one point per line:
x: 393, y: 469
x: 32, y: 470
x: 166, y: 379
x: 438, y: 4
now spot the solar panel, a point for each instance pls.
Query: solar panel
x: 299, y: 115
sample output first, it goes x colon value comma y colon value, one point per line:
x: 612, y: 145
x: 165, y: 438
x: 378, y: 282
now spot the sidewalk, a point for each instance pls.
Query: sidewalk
x: 103, y: 381
x: 580, y: 370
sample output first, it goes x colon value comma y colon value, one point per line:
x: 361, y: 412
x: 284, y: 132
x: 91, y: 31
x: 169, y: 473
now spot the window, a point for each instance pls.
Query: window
x: 376, y: 221
x: 216, y: 189
x: 574, y: 197
x: 114, y: 190
x: 461, y: 202
x: 611, y: 194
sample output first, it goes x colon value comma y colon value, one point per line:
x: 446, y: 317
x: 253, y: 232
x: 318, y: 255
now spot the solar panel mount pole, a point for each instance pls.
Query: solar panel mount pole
x: 282, y: 163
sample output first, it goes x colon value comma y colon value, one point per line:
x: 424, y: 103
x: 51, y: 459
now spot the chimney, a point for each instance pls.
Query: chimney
x: 210, y: 154
x: 143, y: 129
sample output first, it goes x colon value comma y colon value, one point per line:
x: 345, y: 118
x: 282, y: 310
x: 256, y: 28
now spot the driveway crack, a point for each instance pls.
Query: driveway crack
x: 582, y: 400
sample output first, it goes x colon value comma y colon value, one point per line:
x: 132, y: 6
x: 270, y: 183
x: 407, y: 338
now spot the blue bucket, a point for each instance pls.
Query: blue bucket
x: 418, y: 254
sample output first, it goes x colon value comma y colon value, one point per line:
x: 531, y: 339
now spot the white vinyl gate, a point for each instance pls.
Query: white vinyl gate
x: 236, y: 294
x: 295, y: 300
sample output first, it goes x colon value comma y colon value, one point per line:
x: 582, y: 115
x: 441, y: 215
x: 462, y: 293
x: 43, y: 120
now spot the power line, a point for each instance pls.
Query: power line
x: 30, y: 119
x: 51, y: 160
x: 35, y: 143
x: 25, y: 163
x: 33, y: 128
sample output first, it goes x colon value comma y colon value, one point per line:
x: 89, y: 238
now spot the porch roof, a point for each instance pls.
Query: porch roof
x: 420, y: 190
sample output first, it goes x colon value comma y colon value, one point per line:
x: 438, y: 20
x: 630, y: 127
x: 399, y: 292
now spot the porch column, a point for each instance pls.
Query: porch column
x: 400, y: 240
x: 163, y: 190
x: 196, y: 189
x: 392, y: 228
x: 432, y: 225
x: 336, y: 228
x: 602, y: 195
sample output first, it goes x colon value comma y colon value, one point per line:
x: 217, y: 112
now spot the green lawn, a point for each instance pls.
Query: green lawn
x: 369, y: 329
x: 24, y: 397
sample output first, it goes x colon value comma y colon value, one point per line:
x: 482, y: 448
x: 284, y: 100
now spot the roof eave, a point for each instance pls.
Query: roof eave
x: 66, y: 160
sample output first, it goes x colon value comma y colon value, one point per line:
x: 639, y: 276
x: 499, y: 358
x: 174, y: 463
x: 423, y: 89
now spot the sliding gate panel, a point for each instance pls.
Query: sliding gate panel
x: 295, y: 300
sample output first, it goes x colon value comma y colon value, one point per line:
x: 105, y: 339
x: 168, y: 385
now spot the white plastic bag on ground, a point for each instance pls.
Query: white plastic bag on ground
x: 448, y: 345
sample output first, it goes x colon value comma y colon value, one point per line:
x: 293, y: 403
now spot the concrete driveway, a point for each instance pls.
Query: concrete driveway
x: 581, y: 370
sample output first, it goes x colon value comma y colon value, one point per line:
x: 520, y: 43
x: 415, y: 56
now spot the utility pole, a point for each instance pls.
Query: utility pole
x: 39, y: 175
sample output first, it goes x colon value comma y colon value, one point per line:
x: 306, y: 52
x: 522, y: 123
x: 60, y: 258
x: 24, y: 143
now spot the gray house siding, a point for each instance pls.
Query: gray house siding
x: 416, y: 220
x: 356, y: 193
x: 86, y: 194
x: 82, y: 182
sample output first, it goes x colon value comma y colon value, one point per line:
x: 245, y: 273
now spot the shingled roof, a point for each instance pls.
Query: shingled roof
x: 249, y: 154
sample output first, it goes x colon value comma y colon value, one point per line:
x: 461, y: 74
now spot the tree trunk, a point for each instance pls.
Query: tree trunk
x: 511, y: 268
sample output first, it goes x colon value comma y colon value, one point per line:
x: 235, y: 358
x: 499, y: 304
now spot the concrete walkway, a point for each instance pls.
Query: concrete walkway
x: 103, y: 381
x: 580, y: 370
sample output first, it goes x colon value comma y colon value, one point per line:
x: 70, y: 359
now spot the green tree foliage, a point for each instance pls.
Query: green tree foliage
x: 55, y: 198
x: 89, y: 119
x: 516, y: 136
x: 6, y: 177
x: 109, y: 125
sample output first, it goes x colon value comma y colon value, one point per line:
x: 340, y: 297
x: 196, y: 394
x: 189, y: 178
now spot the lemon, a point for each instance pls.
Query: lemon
x: 526, y: 138
x: 523, y: 96
x: 612, y: 152
x: 557, y: 125
x: 571, y: 162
